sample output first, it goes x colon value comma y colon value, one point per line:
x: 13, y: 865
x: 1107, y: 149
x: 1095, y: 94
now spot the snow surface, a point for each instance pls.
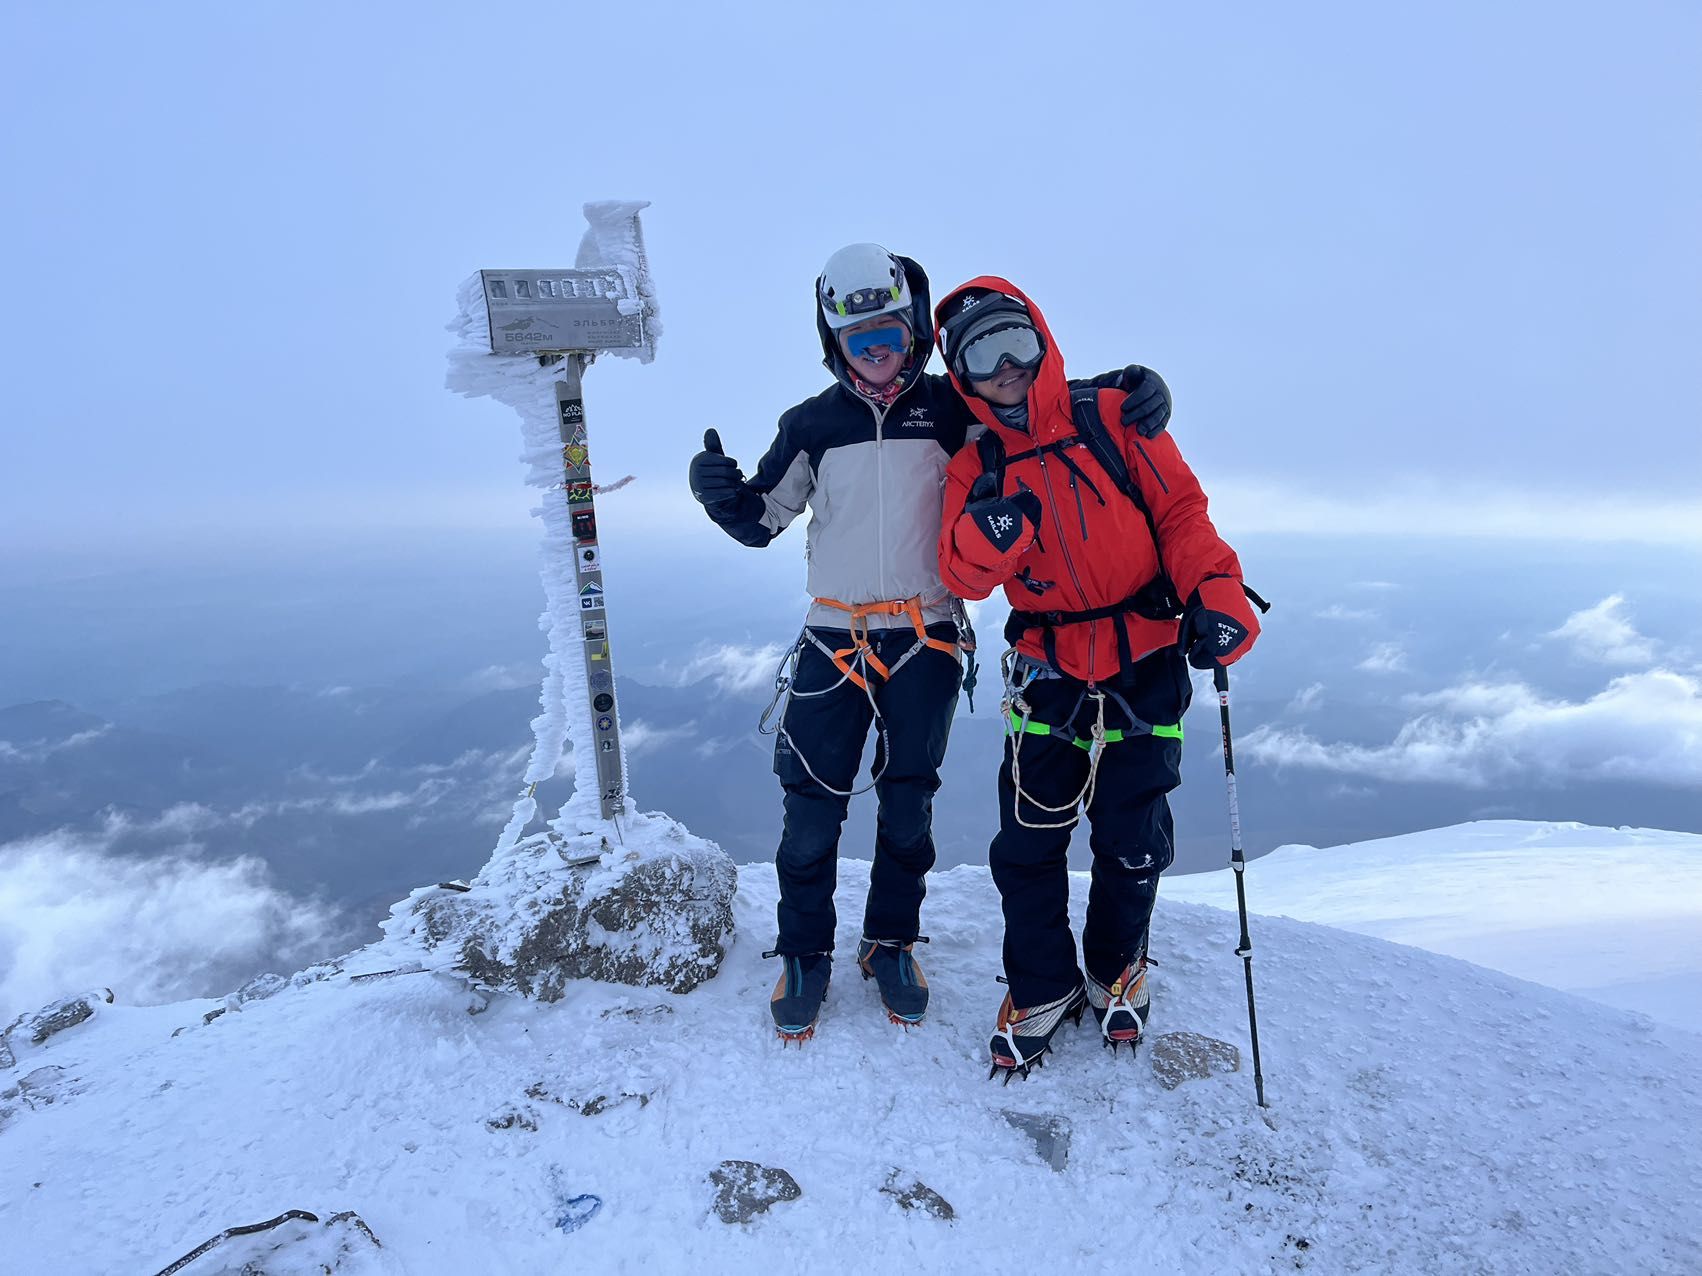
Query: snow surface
x: 1610, y: 914
x: 1427, y: 1116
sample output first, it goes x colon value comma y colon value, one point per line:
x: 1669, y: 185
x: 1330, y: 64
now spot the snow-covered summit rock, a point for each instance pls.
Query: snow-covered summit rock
x: 654, y: 910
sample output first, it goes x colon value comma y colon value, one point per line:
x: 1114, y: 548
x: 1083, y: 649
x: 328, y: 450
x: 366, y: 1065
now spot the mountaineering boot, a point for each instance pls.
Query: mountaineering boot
x: 1024, y: 1036
x: 1121, y: 1006
x: 797, y: 998
x: 904, y: 992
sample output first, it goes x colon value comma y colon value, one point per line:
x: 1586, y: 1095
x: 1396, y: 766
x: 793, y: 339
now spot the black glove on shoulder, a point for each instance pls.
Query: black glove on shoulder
x: 715, y: 477
x: 1146, y: 410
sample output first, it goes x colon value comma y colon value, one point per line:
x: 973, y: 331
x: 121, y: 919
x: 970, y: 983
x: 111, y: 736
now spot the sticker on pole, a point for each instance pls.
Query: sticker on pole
x: 584, y: 525
x: 591, y: 597
x: 589, y: 559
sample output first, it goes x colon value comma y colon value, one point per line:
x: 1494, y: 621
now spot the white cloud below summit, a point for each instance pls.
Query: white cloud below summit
x: 1642, y: 727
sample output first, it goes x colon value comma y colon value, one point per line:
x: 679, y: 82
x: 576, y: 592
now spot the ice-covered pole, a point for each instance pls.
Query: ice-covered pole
x: 524, y: 338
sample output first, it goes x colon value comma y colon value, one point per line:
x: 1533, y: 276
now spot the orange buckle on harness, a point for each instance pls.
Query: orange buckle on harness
x: 858, y: 624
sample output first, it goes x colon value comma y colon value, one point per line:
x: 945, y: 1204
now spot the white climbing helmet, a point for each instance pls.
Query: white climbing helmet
x: 859, y: 282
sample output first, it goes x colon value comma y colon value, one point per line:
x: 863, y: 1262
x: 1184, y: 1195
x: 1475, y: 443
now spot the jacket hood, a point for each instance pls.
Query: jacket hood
x: 1048, y: 397
x: 921, y: 331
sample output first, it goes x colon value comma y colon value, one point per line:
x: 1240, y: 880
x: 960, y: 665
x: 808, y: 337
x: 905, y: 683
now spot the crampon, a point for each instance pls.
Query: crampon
x: 796, y: 1003
x: 904, y: 990
x: 1023, y: 1037
x: 1121, y: 1007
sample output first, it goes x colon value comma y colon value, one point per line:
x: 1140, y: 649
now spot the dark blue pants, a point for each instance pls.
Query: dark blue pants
x: 827, y: 734
x: 1131, y: 833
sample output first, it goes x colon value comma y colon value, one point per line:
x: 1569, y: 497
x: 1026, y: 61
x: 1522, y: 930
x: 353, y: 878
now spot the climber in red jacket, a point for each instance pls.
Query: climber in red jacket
x: 1098, y: 534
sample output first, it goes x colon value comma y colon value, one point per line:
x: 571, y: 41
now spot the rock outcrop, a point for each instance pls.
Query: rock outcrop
x: 554, y: 909
x: 1187, y: 1056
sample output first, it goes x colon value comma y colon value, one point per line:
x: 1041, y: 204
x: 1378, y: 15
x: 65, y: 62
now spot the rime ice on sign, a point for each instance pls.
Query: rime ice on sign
x: 545, y: 325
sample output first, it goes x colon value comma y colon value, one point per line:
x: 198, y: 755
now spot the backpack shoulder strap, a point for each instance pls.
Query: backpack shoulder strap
x: 991, y: 482
x: 1159, y: 594
x: 1097, y: 435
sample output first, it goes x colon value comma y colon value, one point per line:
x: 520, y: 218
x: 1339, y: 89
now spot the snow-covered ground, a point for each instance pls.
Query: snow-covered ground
x: 1610, y: 914
x: 1426, y: 1116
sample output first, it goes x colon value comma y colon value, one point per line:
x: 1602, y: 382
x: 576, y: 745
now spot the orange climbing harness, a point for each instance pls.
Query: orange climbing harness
x: 861, y: 653
x: 857, y: 661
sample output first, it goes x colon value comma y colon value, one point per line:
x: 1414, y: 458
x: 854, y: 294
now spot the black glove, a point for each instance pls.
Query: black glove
x: 715, y: 476
x: 1002, y: 519
x: 1146, y: 410
x: 1218, y: 627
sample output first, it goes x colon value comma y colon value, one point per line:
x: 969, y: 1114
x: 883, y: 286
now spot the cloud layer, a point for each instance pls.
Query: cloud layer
x: 73, y: 916
x: 1643, y: 727
x: 1604, y: 634
x: 734, y: 670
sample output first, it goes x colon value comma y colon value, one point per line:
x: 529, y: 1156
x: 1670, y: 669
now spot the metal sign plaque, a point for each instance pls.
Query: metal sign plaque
x: 549, y: 311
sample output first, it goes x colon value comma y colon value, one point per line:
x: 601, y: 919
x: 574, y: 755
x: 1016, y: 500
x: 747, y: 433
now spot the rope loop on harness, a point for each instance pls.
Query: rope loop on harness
x: 1020, y: 672
x: 857, y: 664
x: 1096, y: 750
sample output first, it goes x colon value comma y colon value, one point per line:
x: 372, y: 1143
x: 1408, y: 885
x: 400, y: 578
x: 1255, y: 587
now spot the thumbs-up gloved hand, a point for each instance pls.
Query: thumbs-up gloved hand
x: 1007, y: 522
x: 715, y: 476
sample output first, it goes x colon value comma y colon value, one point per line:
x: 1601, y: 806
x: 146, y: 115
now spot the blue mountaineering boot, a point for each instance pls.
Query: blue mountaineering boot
x: 1024, y: 1035
x: 1121, y: 1006
x: 797, y: 998
x: 904, y: 992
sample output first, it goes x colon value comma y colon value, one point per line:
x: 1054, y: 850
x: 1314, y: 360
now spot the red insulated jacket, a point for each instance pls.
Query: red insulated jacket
x: 1091, y: 549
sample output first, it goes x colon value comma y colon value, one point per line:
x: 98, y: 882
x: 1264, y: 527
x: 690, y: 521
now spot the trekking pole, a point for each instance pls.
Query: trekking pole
x: 1238, y: 862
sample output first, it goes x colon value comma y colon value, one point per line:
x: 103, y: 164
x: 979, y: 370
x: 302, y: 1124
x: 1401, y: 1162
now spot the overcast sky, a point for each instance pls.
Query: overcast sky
x: 1409, y: 269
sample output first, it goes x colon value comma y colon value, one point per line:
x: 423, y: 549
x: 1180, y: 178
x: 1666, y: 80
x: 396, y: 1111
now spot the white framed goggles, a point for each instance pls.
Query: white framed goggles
x: 1017, y: 343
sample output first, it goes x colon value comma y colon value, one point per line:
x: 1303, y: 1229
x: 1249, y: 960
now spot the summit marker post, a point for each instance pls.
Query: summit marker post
x: 544, y: 328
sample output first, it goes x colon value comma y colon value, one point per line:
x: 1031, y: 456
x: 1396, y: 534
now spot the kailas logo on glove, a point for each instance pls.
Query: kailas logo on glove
x: 968, y: 302
x: 1228, y: 635
x: 1001, y: 523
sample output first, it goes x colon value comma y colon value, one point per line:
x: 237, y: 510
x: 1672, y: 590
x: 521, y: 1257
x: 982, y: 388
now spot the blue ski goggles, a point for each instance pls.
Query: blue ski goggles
x: 895, y: 338
x: 1017, y: 343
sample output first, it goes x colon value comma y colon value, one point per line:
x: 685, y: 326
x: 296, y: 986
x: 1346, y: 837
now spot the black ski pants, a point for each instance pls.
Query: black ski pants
x: 1131, y: 832
x: 825, y: 734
